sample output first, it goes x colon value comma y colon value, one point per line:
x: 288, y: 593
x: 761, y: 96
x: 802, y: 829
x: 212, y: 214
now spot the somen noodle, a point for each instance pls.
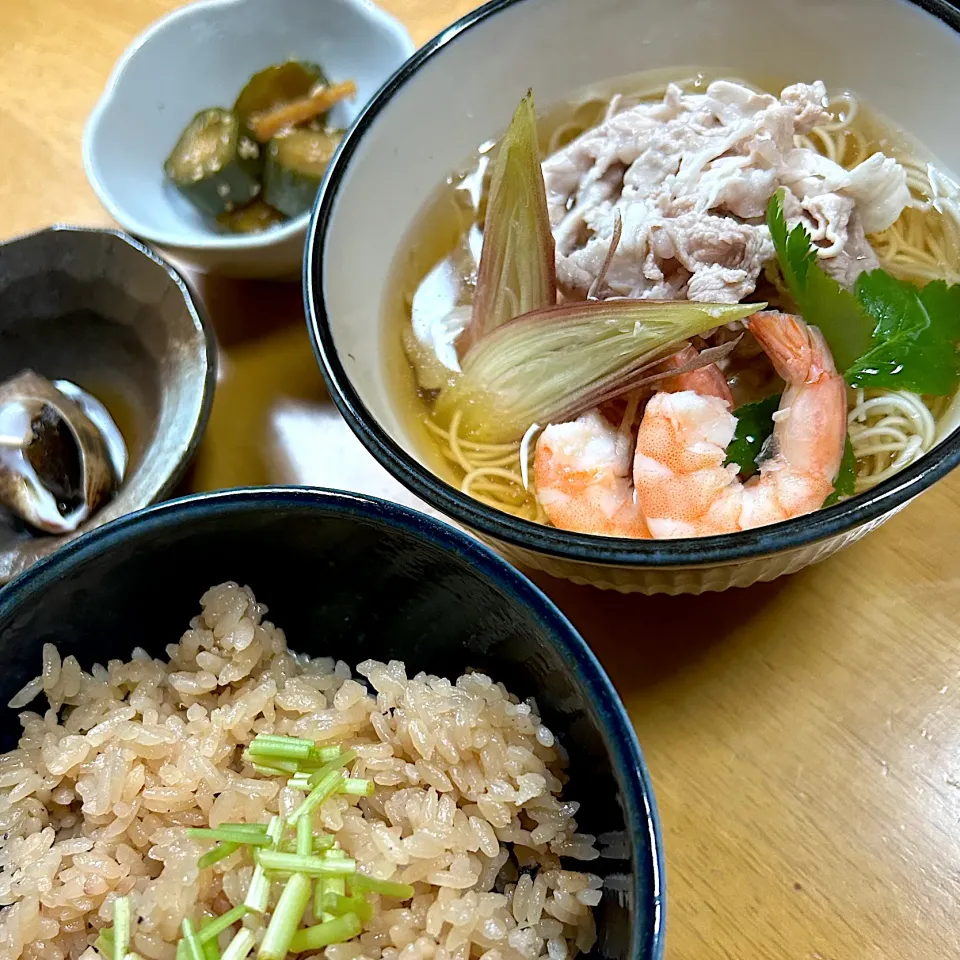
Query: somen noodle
x: 888, y: 429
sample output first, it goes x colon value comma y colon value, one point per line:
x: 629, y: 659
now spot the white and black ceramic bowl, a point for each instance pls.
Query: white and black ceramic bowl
x: 456, y: 92
x: 200, y: 56
x: 353, y: 577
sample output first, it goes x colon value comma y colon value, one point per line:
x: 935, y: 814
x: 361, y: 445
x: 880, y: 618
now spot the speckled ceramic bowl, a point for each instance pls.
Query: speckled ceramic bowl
x: 458, y: 91
x: 352, y: 577
x: 200, y: 56
x: 97, y: 308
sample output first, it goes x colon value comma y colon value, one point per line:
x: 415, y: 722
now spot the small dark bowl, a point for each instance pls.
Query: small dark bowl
x: 99, y: 309
x: 355, y: 577
x: 446, y: 100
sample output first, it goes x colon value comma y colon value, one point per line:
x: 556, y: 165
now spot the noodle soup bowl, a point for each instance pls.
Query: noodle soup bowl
x: 459, y: 90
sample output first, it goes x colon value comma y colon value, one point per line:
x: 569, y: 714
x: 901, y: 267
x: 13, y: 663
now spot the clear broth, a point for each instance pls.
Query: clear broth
x: 456, y: 209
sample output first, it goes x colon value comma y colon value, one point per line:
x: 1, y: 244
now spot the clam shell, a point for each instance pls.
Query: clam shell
x: 56, y: 467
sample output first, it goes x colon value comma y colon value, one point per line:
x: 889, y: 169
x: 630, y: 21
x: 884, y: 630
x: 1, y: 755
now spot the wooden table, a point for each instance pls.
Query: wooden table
x: 803, y: 736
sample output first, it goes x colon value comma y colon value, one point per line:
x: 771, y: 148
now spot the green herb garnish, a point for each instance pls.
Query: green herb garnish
x: 230, y: 835
x: 220, y: 852
x: 104, y: 942
x: 273, y: 747
x: 363, y: 883
x: 240, y: 946
x: 915, y: 337
x: 215, y: 927
x: 286, y: 918
x: 336, y: 763
x: 320, y: 935
x: 888, y: 333
x: 820, y: 299
x: 754, y: 425
x: 193, y: 948
x: 281, y: 849
x: 846, y: 483
x: 277, y: 862
x: 324, y: 789
x: 356, y: 787
x: 304, y: 837
x: 121, y: 928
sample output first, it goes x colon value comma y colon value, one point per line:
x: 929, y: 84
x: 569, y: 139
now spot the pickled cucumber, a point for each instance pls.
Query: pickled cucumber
x: 213, y: 165
x: 253, y: 218
x: 295, y: 165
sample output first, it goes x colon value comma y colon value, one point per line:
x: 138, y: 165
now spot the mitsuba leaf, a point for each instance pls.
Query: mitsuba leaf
x: 754, y: 425
x: 888, y: 333
x: 914, y: 341
x: 820, y: 299
x: 795, y: 252
x: 846, y: 483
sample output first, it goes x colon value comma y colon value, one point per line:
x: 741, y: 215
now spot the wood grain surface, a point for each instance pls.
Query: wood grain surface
x: 803, y: 736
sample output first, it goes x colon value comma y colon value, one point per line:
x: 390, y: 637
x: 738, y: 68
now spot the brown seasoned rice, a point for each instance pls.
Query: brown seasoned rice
x: 94, y: 802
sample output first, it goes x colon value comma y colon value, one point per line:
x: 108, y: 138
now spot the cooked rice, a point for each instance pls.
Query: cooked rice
x: 94, y: 802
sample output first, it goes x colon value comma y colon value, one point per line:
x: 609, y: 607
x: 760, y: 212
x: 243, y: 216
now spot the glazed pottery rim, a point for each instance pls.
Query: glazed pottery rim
x: 206, y: 343
x: 614, y: 551
x: 624, y: 752
x: 212, y: 242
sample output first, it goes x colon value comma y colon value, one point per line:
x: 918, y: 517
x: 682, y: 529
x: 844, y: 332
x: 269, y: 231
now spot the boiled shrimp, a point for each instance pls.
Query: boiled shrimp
x: 708, y: 381
x: 582, y: 472
x: 583, y: 468
x: 683, y: 488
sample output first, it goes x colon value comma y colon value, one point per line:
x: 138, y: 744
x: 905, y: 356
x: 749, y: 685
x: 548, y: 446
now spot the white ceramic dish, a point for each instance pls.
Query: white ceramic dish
x: 460, y: 89
x: 201, y: 56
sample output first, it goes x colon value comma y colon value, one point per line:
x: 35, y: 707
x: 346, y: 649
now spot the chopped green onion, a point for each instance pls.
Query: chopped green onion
x: 280, y: 748
x: 275, y: 768
x: 338, y: 904
x: 313, y: 866
x: 211, y: 950
x: 258, y: 893
x: 304, y: 837
x: 281, y: 738
x: 218, y: 853
x: 231, y: 835
x: 356, y: 787
x: 336, y: 853
x: 327, y: 887
x: 299, y: 781
x: 247, y: 827
x: 194, y: 949
x: 336, y: 763
x: 275, y: 829
x: 319, y: 892
x: 240, y: 946
x: 104, y: 942
x: 272, y: 771
x: 324, y: 789
x: 121, y: 928
x: 182, y: 950
x: 323, y: 934
x: 321, y: 842
x: 286, y: 918
x: 361, y: 882
x: 328, y: 753
x: 215, y: 927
